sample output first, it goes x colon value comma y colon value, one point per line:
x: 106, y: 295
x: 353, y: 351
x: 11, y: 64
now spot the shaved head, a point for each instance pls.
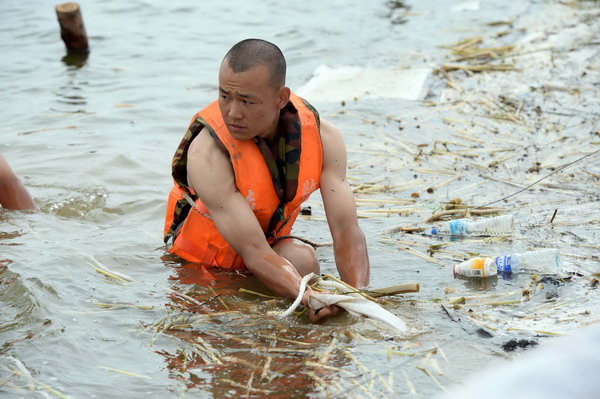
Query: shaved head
x: 251, y: 53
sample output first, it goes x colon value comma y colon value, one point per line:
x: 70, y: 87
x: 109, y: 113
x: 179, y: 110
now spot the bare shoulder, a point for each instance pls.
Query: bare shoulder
x: 208, y: 167
x: 328, y: 129
x: 204, y: 149
x: 334, y: 149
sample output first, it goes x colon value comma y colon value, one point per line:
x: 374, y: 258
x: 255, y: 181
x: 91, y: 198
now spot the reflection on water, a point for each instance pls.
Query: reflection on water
x: 478, y: 284
x: 398, y: 11
x: 233, y: 345
x: 75, y: 61
x: 72, y: 92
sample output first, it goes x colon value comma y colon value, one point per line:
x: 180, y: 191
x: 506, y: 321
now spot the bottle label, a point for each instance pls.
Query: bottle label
x: 504, y: 263
x: 476, y: 267
x: 472, y: 273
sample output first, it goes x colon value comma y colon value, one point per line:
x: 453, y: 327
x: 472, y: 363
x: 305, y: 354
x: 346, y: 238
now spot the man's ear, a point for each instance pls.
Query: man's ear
x: 283, y: 96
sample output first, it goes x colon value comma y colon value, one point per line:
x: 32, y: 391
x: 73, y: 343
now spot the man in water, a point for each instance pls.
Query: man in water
x: 244, y: 167
x: 13, y: 195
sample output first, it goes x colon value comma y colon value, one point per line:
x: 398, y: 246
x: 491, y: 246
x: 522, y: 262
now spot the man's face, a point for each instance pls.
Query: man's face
x: 248, y: 102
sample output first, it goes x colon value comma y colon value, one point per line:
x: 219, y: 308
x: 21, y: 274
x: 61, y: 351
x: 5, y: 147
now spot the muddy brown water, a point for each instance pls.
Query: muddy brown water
x: 92, y: 140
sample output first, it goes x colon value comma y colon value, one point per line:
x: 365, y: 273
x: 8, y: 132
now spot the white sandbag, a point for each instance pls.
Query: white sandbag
x: 354, y: 304
x: 358, y: 306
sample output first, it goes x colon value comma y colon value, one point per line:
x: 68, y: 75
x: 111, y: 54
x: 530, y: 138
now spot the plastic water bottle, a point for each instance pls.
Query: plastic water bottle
x: 541, y: 261
x: 491, y: 226
x: 476, y: 267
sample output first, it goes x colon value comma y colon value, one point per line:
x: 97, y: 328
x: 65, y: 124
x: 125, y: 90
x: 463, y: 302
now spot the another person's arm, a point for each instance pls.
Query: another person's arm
x: 13, y: 195
x: 211, y: 175
x: 349, y: 244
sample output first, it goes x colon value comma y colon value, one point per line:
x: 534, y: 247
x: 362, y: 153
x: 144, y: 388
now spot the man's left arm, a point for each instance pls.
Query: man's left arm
x: 349, y: 244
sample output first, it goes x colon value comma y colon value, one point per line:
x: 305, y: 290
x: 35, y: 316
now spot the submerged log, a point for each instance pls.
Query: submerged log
x: 72, y: 30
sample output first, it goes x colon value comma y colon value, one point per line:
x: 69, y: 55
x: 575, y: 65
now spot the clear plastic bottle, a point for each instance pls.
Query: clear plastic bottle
x: 542, y: 261
x: 476, y: 267
x: 491, y: 226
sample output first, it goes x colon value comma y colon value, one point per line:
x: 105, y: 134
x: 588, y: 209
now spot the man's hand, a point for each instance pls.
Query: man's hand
x: 319, y: 315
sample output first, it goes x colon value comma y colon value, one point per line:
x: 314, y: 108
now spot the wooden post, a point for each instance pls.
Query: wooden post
x: 72, y: 30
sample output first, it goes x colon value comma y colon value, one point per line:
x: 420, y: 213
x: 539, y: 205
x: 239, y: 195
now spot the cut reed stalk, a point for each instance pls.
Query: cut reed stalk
x: 218, y: 296
x: 246, y: 291
x: 109, y: 274
x: 123, y: 372
x: 481, y: 324
x: 434, y: 171
x: 122, y: 306
x: 286, y: 350
x: 321, y: 383
x: 394, y: 290
x: 462, y: 213
x: 358, y: 364
x: 326, y: 367
x: 386, y: 384
x: 238, y: 385
x: 349, y: 287
x: 266, y: 368
x: 422, y: 255
x: 543, y: 308
x: 479, y: 53
x: 399, y: 211
x: 233, y: 338
x: 291, y: 341
x: 409, y: 384
x: 543, y: 332
x: 479, y: 68
x: 362, y: 388
x: 423, y: 369
x: 391, y: 353
x: 46, y: 130
x: 249, y: 385
x: 325, y: 356
x: 99, y: 265
x: 185, y: 297
x: 385, y: 201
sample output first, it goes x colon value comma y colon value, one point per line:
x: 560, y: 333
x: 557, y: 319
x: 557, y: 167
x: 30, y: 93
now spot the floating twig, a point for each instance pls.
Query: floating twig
x: 46, y: 130
x: 246, y: 291
x: 422, y: 255
x: 265, y: 371
x: 480, y: 68
x: 423, y: 369
x: 105, y: 270
x: 394, y: 290
x: 123, y: 372
x: 349, y: 287
x: 122, y: 306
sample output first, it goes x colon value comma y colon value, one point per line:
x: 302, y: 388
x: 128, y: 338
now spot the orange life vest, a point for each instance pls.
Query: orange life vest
x: 196, y: 238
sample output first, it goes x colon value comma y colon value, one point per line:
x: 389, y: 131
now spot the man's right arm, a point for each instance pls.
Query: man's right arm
x: 211, y: 175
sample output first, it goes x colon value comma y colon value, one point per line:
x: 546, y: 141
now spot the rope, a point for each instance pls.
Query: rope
x: 304, y: 240
x: 301, y: 291
x: 193, y: 205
